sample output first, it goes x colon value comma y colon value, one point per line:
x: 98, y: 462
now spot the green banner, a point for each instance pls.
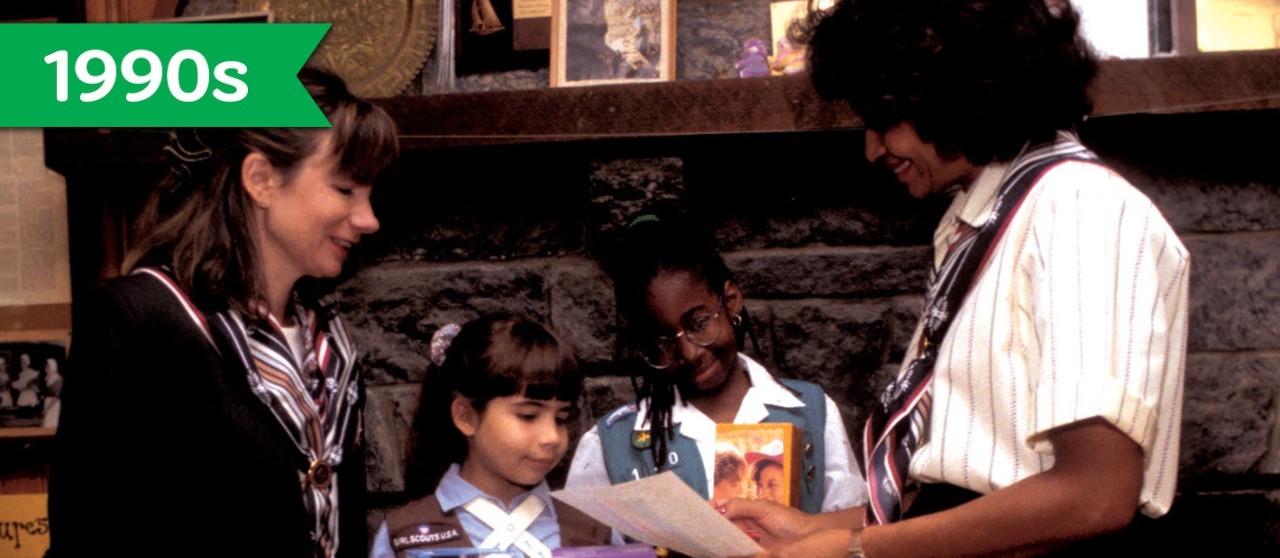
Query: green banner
x: 142, y: 75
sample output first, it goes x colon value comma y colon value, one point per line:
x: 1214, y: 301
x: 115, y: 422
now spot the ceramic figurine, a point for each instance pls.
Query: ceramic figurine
x: 755, y: 59
x: 788, y: 60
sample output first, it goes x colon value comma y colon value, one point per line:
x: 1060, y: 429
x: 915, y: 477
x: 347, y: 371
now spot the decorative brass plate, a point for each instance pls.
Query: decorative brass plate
x: 377, y: 46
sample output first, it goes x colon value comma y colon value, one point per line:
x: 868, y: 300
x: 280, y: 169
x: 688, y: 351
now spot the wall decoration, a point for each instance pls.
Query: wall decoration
x: 612, y: 41
x: 31, y: 365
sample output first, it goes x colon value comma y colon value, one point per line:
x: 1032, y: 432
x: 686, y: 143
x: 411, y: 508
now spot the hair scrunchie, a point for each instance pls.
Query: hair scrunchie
x: 440, y: 341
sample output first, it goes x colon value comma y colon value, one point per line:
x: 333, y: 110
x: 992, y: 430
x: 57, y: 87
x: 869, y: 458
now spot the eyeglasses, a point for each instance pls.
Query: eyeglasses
x: 701, y: 329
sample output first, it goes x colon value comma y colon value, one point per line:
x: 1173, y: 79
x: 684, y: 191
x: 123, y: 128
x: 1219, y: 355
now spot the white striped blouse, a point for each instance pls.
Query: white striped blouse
x: 1080, y: 312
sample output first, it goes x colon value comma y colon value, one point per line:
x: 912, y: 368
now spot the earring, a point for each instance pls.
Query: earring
x: 736, y: 320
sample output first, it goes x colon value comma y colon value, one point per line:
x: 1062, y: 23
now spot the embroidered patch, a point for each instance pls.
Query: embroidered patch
x: 619, y: 414
x: 641, y: 439
x: 425, y: 534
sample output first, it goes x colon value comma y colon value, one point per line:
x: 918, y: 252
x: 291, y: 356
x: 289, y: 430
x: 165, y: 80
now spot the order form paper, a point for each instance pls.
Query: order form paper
x: 663, y: 511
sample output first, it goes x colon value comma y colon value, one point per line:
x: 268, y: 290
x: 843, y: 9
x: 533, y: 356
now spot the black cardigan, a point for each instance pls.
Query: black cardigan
x: 163, y: 450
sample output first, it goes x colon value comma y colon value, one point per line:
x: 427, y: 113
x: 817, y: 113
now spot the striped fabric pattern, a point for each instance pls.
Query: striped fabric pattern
x: 316, y: 413
x: 1081, y: 313
x: 315, y: 401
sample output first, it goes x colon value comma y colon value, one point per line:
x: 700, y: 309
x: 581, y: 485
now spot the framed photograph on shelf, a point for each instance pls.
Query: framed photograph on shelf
x: 31, y: 364
x: 258, y: 16
x: 595, y: 42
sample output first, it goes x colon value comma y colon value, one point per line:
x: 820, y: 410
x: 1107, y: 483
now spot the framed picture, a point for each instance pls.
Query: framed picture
x: 259, y: 16
x: 595, y: 42
x: 31, y: 364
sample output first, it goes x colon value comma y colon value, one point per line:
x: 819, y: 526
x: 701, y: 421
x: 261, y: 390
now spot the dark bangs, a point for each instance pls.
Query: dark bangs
x: 523, y: 357
x: 364, y: 138
x: 364, y: 135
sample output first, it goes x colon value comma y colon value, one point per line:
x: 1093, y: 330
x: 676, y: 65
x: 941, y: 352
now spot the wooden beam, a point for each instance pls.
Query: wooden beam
x: 1167, y: 85
x: 35, y: 317
x: 781, y: 104
x: 1179, y: 84
x: 1248, y: 80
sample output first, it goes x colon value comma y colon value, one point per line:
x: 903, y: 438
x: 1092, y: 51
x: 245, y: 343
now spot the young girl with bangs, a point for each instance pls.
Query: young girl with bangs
x: 492, y: 422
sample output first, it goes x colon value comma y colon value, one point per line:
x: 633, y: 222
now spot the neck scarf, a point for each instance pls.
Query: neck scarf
x: 510, y: 529
x: 315, y: 401
x: 897, y: 426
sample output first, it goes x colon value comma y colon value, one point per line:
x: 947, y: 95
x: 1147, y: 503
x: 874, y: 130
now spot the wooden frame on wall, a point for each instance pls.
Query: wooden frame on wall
x: 595, y: 42
x: 31, y: 381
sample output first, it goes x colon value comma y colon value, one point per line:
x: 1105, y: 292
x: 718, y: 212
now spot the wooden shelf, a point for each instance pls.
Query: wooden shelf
x: 1209, y: 82
x: 726, y: 106
x: 25, y: 432
x: 1246, y: 80
x: 1182, y: 84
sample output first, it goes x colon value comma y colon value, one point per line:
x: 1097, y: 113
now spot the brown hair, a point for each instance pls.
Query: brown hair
x: 198, y: 221
x: 493, y: 356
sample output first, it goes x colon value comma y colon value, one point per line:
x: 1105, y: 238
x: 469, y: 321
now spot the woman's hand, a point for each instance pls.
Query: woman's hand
x: 827, y: 543
x: 776, y: 524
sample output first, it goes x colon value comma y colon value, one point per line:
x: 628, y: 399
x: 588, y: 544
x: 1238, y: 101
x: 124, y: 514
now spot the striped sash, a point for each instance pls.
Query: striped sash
x: 897, y: 425
x: 315, y: 401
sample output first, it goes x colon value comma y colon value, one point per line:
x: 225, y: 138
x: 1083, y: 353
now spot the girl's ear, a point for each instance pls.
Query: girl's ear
x: 465, y: 417
x: 732, y: 299
x: 259, y: 178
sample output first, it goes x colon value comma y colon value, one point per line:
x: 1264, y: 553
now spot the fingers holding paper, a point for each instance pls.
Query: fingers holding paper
x: 786, y: 531
x: 776, y: 524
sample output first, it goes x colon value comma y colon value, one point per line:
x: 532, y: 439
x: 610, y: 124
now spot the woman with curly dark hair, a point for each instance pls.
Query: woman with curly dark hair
x: 1038, y: 405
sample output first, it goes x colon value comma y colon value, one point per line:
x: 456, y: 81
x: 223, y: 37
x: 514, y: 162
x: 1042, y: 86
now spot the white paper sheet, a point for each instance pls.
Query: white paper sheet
x: 663, y: 511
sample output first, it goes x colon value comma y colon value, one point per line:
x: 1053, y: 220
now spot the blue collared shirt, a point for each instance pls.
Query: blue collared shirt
x: 454, y: 492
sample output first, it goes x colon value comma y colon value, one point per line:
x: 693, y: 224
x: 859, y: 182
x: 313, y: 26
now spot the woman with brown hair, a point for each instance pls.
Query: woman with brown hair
x: 212, y: 403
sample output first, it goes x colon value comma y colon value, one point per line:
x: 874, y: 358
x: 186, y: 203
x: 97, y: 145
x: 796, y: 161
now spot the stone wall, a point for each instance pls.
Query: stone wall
x: 832, y: 256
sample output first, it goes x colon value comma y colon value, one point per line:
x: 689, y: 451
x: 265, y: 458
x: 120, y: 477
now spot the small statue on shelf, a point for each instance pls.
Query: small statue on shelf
x: 484, y: 19
x: 787, y: 59
x: 755, y: 59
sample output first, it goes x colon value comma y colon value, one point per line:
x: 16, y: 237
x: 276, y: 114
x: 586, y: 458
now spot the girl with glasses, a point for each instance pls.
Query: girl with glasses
x: 685, y: 319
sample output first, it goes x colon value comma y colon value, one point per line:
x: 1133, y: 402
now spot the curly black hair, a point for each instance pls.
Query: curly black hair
x: 978, y: 78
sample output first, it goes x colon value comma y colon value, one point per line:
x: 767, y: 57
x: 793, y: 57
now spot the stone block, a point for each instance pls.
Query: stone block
x: 515, y: 80
x: 839, y: 345
x: 621, y: 189
x: 1178, y: 160
x: 820, y: 271
x: 904, y: 316
x: 1229, y: 414
x: 833, y: 199
x: 1192, y: 205
x: 388, y: 416
x: 582, y: 308
x: 395, y: 308
x: 1235, y: 291
x: 489, y: 211
x: 757, y: 342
